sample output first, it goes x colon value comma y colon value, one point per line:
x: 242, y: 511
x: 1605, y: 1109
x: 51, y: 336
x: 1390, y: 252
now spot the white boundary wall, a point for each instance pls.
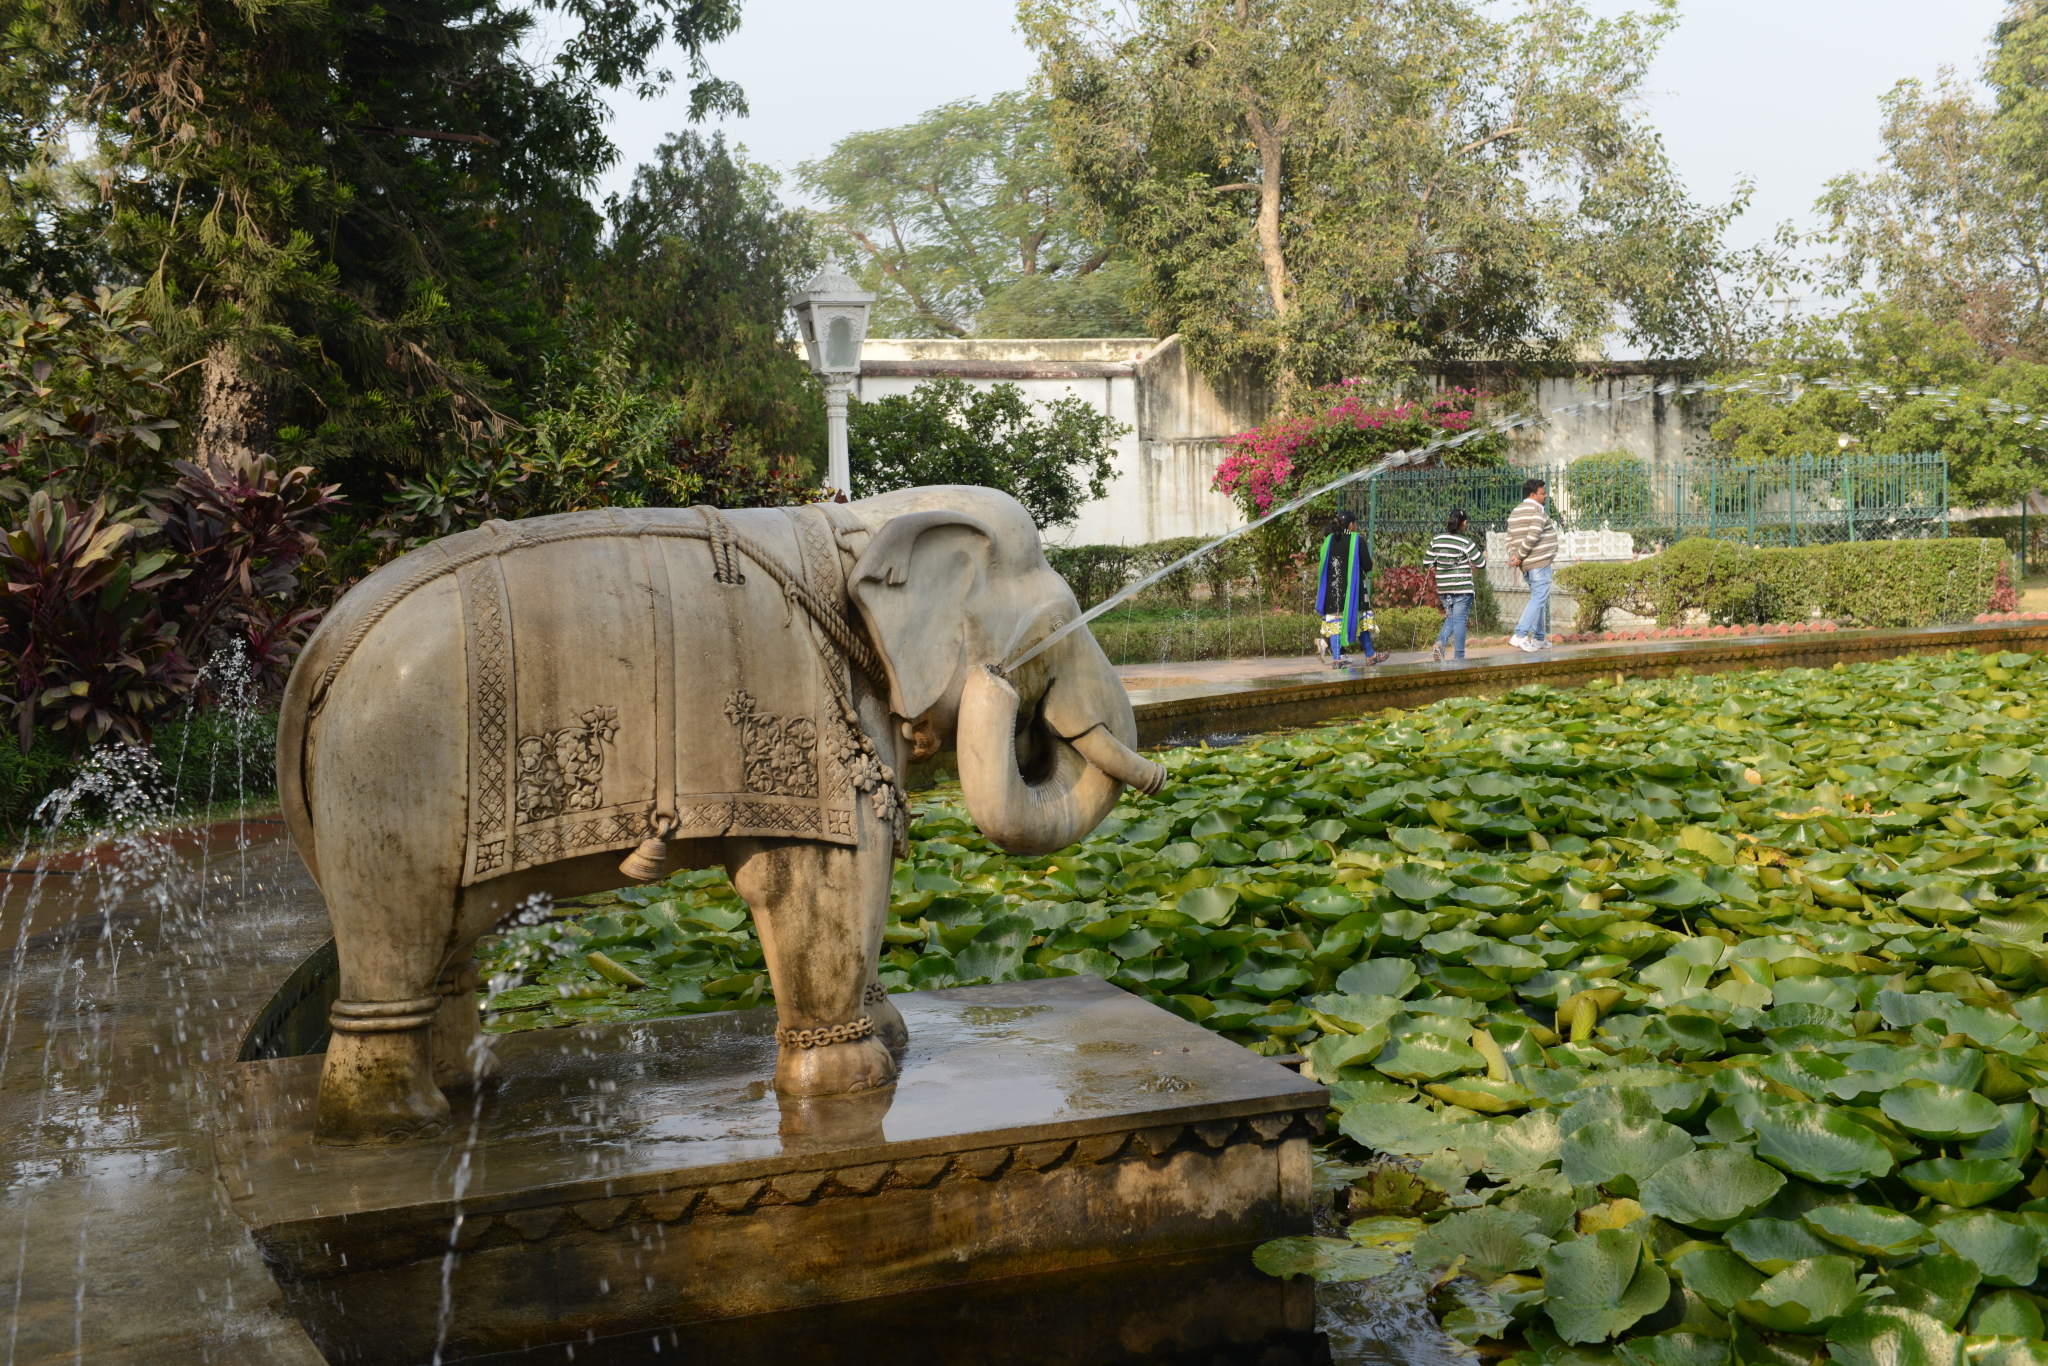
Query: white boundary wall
x: 1179, y: 419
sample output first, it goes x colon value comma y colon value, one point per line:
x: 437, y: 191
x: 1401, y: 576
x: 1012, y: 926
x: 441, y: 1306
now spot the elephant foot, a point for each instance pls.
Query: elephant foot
x: 834, y: 1069
x: 889, y: 1026
x: 378, y: 1088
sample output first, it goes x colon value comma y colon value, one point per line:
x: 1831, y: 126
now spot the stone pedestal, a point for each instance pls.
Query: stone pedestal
x: 635, y: 1177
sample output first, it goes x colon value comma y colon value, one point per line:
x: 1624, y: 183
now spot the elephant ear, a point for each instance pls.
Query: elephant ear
x: 913, y: 585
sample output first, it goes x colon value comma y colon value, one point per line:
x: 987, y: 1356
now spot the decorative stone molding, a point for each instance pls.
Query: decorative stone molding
x: 632, y: 1215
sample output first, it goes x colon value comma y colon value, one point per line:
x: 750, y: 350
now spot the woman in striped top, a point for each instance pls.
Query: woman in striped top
x: 1453, y: 556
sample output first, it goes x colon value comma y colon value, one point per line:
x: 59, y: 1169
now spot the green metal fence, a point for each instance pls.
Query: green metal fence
x: 1804, y: 500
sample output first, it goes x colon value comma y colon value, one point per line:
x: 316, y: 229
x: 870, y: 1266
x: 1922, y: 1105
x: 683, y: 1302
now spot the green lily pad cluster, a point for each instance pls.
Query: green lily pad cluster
x: 1676, y: 1021
x: 677, y: 947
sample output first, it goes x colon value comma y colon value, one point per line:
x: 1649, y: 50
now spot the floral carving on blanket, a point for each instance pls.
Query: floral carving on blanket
x: 780, y: 753
x: 563, y: 770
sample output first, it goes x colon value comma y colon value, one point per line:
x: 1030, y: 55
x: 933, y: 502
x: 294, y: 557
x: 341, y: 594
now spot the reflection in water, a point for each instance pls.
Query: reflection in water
x: 830, y: 1123
x: 1207, y: 1309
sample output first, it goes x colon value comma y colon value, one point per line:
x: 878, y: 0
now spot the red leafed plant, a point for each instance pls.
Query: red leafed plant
x: 1405, y: 585
x: 81, y: 630
x: 2004, y: 598
x: 243, y: 528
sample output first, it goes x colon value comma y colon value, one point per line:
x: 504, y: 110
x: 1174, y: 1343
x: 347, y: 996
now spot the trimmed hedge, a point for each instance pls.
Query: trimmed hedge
x: 1172, y: 640
x: 1862, y: 583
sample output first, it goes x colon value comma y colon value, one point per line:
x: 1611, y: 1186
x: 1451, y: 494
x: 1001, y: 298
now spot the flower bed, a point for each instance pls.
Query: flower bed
x: 1729, y: 985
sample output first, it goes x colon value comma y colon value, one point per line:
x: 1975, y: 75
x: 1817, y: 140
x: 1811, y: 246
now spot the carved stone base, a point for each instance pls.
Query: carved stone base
x: 639, y: 1176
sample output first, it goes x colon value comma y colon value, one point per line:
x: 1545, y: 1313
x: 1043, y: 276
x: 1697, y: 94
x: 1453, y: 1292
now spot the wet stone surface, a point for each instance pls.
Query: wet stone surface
x: 643, y: 1174
x: 126, y: 989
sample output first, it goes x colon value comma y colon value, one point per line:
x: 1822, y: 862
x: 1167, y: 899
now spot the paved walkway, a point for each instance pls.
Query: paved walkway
x: 1200, y: 672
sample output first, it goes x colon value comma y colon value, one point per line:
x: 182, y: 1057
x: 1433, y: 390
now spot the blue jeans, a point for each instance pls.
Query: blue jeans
x: 1538, y: 611
x: 1457, y: 610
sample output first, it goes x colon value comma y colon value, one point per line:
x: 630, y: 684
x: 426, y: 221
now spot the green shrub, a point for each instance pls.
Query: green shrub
x: 1406, y: 628
x: 205, y: 759
x: 1485, y: 606
x: 1608, y: 488
x: 1862, y: 583
x: 1094, y: 572
x: 1171, y: 639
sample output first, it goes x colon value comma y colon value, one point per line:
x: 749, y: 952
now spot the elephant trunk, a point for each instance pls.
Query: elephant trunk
x: 1120, y: 761
x: 1079, y: 783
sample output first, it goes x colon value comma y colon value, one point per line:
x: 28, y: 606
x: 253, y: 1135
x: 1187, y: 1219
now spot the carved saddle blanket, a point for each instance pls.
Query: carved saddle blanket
x: 623, y: 681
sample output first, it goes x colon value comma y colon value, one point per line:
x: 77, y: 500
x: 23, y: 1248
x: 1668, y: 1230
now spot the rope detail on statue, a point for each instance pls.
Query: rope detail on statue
x: 820, y: 1038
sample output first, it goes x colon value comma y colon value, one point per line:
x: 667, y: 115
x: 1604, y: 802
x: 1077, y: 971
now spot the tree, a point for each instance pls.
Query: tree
x: 1327, y: 188
x: 356, y: 218
x: 1947, y: 227
x: 964, y: 222
x: 1883, y: 379
x: 702, y: 258
x: 944, y: 432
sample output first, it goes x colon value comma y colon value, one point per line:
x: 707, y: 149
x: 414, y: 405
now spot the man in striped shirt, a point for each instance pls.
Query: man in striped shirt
x: 1532, y: 548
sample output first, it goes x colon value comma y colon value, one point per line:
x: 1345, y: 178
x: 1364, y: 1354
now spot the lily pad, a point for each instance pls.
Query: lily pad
x: 1208, y: 905
x: 1961, y: 1181
x: 1717, y: 1276
x: 2004, y: 1251
x: 1416, y: 882
x: 1713, y: 1190
x: 1771, y: 1245
x: 1379, y: 977
x: 2005, y: 1313
x: 1931, y: 1110
x: 1807, y: 1296
x: 1819, y: 1144
x: 1492, y: 1241
x: 1886, y: 1334
x: 1333, y: 1052
x: 1868, y: 1230
x: 1404, y: 1130
x: 1478, y: 1093
x: 2005, y: 1351
x: 1601, y: 1284
x: 1523, y: 1146
x: 1620, y: 1154
x: 1427, y: 1057
x: 1940, y: 1286
x: 1323, y: 1259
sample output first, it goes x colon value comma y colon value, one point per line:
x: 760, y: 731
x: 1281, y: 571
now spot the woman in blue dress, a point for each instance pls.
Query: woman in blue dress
x: 1341, y: 596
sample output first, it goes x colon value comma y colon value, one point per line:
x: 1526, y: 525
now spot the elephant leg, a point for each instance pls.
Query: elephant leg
x: 461, y: 1056
x: 377, y: 1084
x: 818, y: 909
x: 889, y: 1026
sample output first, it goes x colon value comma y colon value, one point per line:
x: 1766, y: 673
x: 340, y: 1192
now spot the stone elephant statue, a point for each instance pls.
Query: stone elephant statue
x: 504, y: 712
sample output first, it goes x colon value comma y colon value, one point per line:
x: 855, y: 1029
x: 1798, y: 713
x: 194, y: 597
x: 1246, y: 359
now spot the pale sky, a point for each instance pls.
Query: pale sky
x: 1784, y: 91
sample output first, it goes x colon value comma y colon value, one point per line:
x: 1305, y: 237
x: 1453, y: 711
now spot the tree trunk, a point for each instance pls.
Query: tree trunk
x: 1267, y: 137
x: 232, y: 420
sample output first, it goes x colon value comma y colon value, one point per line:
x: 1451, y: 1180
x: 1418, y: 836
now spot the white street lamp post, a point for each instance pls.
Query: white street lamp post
x: 832, y: 318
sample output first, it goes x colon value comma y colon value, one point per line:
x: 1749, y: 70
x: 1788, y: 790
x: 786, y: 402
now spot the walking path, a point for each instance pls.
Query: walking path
x: 1200, y: 672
